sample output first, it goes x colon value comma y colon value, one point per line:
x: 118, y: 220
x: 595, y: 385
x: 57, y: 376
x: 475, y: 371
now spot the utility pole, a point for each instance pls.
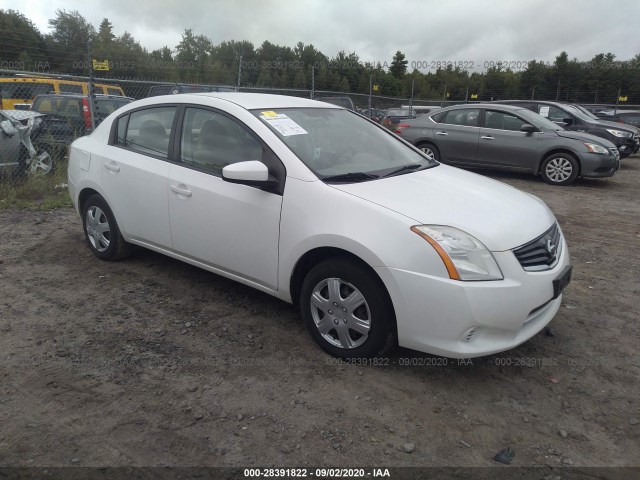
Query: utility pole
x: 617, y: 100
x: 444, y: 95
x: 558, y: 91
x: 239, y: 74
x: 533, y: 93
x: 90, y: 89
x: 466, y: 95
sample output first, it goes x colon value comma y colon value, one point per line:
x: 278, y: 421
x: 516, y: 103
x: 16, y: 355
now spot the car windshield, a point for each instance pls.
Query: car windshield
x: 584, y: 111
x: 578, y: 113
x: 538, y: 120
x: 338, y: 143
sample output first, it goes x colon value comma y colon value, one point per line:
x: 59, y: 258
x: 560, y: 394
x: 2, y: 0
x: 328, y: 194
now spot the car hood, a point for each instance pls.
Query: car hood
x: 619, y: 126
x: 585, y: 137
x: 497, y: 214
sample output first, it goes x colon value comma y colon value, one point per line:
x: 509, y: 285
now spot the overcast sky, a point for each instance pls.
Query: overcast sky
x: 426, y: 31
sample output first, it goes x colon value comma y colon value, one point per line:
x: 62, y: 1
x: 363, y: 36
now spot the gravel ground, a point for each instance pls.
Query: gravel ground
x: 152, y: 362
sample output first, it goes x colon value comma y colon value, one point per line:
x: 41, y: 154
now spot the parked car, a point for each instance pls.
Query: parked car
x: 634, y: 130
x: 504, y: 137
x: 68, y: 117
x: 175, y: 88
x: 341, y: 101
x: 627, y: 117
x: 290, y: 196
x: 395, y: 115
x: 573, y: 120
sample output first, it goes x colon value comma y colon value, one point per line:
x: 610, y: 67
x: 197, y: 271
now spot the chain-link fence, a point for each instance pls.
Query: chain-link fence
x: 42, y: 115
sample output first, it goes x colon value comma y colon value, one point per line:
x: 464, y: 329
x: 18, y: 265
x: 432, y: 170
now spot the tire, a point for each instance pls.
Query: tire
x: 367, y: 328
x: 560, y: 169
x: 101, y: 230
x: 429, y: 150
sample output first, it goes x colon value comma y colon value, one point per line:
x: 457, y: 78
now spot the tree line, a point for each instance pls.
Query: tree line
x: 196, y: 59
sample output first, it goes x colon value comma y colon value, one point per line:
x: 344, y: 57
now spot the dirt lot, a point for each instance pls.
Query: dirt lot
x: 151, y: 362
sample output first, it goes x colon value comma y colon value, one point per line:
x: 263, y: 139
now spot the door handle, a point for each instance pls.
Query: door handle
x: 180, y: 190
x: 112, y: 166
x: 487, y: 137
x: 442, y: 133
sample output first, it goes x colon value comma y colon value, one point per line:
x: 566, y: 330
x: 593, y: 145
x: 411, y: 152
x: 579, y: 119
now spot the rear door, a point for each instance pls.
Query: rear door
x: 457, y: 136
x: 135, y: 171
x: 503, y: 145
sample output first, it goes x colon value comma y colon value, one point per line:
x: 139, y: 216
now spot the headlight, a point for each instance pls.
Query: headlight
x: 619, y: 133
x: 595, y: 148
x: 464, y: 256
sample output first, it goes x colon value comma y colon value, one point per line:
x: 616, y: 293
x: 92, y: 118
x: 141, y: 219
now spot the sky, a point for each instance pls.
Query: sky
x: 471, y: 31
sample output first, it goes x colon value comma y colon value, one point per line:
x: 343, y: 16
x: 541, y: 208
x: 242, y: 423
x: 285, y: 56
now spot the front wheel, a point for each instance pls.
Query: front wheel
x: 347, y: 309
x: 101, y: 230
x: 560, y: 169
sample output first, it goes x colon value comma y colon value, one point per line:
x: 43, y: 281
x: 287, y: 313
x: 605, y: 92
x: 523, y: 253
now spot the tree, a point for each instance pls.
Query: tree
x: 69, y: 38
x: 398, y: 65
x: 21, y: 43
x: 105, y: 33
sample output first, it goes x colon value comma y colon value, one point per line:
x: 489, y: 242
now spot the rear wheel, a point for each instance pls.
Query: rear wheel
x: 560, y: 169
x: 101, y: 230
x: 347, y: 309
x: 430, y: 151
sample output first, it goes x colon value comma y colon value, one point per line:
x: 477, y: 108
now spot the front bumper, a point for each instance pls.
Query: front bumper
x: 595, y: 165
x: 471, y: 319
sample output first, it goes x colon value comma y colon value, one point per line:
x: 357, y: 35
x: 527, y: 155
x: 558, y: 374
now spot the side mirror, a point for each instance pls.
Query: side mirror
x: 252, y: 172
x: 528, y: 128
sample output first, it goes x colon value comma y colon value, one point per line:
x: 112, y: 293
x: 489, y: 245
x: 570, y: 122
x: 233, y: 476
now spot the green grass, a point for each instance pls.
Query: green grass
x: 40, y: 192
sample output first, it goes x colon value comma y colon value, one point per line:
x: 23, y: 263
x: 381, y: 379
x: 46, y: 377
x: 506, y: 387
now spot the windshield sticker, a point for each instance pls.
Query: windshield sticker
x: 269, y: 114
x: 544, y: 111
x: 283, y: 124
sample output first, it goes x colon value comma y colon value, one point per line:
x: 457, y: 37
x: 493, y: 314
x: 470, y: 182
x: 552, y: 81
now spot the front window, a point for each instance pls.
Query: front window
x: 338, y: 145
x: 538, y: 120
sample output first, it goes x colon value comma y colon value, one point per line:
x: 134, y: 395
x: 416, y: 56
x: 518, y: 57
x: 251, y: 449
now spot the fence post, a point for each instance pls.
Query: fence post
x: 411, y: 99
x: 239, y: 74
x: 90, y: 89
x: 313, y: 80
x: 370, y: 91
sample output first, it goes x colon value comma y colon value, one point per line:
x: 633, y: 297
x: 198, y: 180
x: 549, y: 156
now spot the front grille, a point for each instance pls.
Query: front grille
x: 541, y: 253
x: 615, y: 152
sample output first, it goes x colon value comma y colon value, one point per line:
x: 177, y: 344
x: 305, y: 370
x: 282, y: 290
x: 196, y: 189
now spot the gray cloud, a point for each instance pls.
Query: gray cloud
x: 455, y: 30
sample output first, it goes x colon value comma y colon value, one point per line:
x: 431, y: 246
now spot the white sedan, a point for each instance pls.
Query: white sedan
x: 374, y: 242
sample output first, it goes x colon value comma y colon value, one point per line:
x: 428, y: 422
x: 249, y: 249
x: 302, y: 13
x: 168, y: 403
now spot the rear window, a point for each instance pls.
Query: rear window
x: 108, y: 106
x: 48, y: 104
x: 398, y: 112
x: 24, y: 90
x: 114, y: 91
x: 67, y: 88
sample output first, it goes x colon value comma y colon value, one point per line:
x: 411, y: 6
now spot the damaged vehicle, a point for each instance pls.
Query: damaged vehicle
x: 18, y: 153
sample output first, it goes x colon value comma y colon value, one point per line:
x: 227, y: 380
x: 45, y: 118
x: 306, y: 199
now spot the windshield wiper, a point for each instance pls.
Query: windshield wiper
x: 405, y: 168
x: 350, y: 177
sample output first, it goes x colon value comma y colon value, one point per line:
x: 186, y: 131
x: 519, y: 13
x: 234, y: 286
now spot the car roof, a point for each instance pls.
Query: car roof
x: 252, y: 101
x: 504, y: 106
